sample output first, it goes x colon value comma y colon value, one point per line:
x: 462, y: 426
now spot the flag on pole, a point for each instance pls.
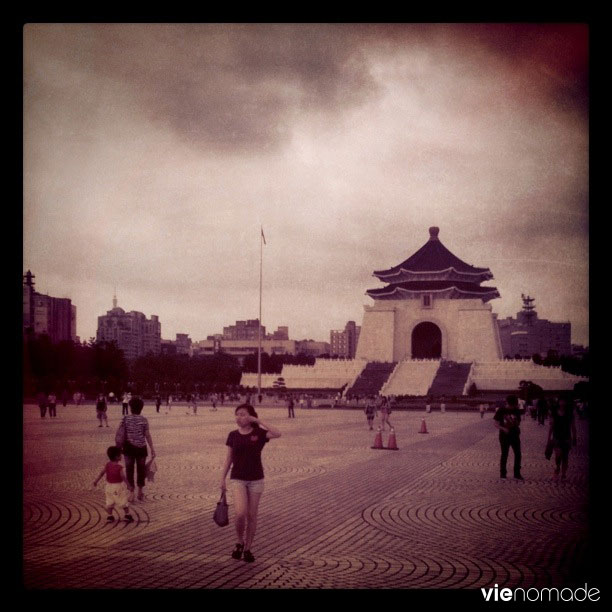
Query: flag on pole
x: 263, y: 237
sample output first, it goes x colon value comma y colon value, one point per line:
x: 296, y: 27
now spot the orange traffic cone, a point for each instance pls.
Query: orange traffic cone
x: 423, y: 427
x: 378, y: 440
x: 392, y: 442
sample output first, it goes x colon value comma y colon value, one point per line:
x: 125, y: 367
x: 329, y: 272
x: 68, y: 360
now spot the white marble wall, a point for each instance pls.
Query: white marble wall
x: 469, y: 332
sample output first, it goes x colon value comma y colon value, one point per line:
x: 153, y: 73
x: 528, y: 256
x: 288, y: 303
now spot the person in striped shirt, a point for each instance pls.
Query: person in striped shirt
x: 137, y: 435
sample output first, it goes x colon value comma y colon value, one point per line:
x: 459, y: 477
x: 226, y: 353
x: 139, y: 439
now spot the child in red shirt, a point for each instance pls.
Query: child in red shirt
x: 116, y: 490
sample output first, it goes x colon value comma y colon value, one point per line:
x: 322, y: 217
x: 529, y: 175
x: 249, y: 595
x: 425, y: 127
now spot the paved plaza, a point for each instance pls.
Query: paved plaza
x: 335, y: 514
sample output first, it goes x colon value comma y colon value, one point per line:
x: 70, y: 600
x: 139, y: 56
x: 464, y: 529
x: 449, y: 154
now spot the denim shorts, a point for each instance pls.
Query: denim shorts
x: 254, y: 486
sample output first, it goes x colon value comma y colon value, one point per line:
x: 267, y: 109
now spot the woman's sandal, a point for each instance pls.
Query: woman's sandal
x: 248, y: 556
x: 237, y: 552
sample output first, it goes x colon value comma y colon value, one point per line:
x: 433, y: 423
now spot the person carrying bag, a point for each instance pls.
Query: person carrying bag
x: 221, y: 515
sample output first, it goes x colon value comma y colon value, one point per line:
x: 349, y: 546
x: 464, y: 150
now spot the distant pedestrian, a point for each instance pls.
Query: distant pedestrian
x: 194, y: 403
x: 370, y: 412
x: 247, y: 476
x: 385, y: 412
x: 168, y: 404
x: 125, y: 402
x: 101, y: 408
x: 52, y: 404
x: 65, y: 398
x: 507, y: 420
x: 213, y: 399
x: 290, y: 406
x: 542, y: 410
x: 157, y: 402
x: 482, y: 410
x: 41, y: 399
x: 116, y: 492
x: 562, y: 433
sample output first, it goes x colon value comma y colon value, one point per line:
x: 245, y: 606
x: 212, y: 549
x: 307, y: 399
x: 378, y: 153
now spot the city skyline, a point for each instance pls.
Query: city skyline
x: 154, y: 153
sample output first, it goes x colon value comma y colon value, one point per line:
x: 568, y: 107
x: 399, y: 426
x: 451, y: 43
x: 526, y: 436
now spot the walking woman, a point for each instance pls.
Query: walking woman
x: 562, y: 432
x: 135, y: 446
x: 247, y: 477
x: 385, y: 411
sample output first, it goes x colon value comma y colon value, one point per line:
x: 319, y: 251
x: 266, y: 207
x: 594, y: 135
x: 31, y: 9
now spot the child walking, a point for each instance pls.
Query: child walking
x: 116, y: 490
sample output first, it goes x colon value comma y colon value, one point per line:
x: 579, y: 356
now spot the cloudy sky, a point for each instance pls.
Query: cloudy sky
x: 153, y: 153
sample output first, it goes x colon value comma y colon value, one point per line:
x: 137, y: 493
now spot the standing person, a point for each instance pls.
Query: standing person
x: 370, y: 412
x: 125, y: 402
x: 290, y: 405
x: 116, y: 492
x: 542, y: 410
x: 507, y: 419
x: 101, y: 408
x: 385, y: 411
x: 65, y: 398
x: 482, y: 410
x: 137, y: 436
x: 247, y: 477
x: 562, y: 432
x: 41, y: 400
x: 52, y: 404
x: 213, y: 398
x: 188, y: 401
x: 157, y: 402
x: 194, y: 403
x: 169, y: 404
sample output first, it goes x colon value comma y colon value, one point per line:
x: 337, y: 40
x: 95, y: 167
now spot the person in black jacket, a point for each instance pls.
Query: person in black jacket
x: 562, y: 433
x: 507, y: 419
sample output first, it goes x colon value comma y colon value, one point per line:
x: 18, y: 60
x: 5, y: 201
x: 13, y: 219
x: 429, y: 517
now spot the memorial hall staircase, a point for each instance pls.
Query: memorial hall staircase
x: 450, y: 379
x: 372, y: 378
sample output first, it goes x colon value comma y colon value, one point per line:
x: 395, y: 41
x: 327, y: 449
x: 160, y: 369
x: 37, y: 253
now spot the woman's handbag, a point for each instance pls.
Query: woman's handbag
x: 150, y: 469
x: 120, y: 436
x: 221, y: 516
x: 548, y: 451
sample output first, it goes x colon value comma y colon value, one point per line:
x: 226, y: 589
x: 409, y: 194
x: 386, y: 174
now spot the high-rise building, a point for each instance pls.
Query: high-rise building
x: 244, y: 330
x: 181, y: 346
x: 343, y: 343
x: 528, y: 335
x: 131, y: 331
x: 43, y: 314
x: 281, y: 333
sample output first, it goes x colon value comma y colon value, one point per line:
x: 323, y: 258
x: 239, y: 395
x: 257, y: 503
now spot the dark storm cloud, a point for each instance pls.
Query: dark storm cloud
x: 221, y: 87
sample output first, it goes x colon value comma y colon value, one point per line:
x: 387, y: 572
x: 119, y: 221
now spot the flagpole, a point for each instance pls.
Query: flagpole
x: 259, y: 334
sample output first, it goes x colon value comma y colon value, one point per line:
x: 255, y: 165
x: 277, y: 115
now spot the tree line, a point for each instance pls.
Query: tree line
x: 96, y: 367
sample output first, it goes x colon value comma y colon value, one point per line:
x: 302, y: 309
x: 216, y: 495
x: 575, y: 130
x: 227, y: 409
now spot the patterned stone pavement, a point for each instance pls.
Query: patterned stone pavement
x: 335, y: 514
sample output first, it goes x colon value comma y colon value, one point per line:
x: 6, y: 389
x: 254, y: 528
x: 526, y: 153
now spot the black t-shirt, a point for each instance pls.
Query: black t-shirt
x: 561, y: 424
x: 509, y: 418
x: 246, y: 454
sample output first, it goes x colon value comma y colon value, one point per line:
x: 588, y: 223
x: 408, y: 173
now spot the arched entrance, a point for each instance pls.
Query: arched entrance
x: 426, y: 341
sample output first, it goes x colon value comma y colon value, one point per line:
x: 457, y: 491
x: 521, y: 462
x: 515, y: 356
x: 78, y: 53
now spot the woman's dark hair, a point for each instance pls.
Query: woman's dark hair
x: 251, y: 412
x: 136, y: 405
x: 248, y: 408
